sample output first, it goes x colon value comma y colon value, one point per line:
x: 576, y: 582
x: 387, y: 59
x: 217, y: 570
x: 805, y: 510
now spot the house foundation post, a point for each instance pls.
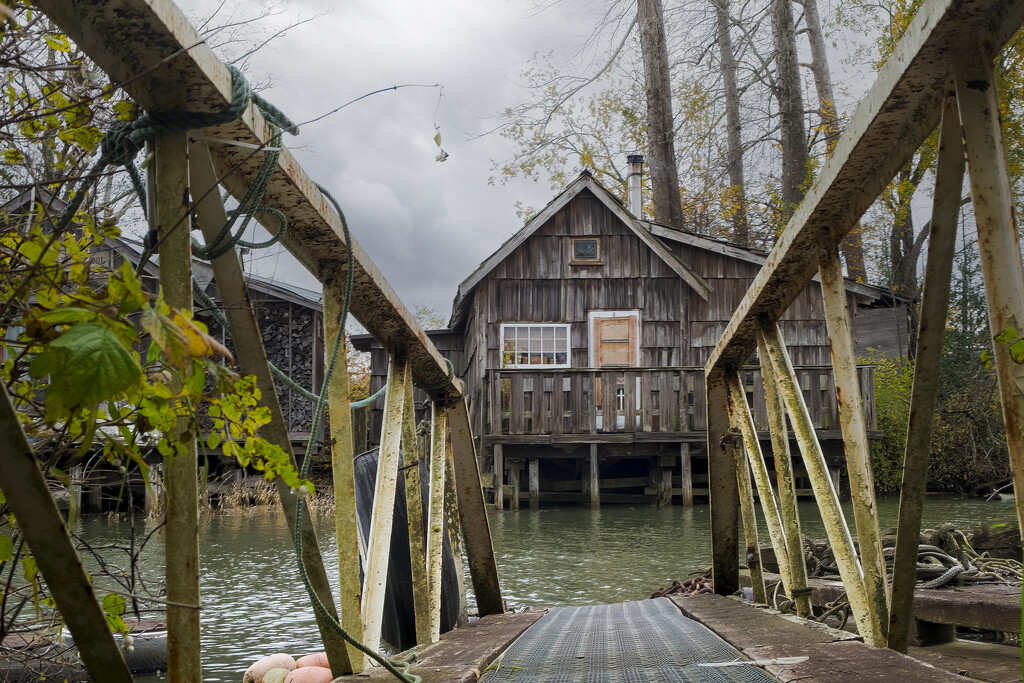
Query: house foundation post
x: 534, y: 476
x: 594, y: 478
x: 499, y: 478
x: 513, y: 479
x: 686, y: 478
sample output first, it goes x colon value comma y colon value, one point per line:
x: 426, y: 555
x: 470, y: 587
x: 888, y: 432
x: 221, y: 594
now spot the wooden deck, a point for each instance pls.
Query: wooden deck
x: 645, y: 404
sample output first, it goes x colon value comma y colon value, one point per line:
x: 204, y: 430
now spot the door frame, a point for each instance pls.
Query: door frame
x: 592, y: 316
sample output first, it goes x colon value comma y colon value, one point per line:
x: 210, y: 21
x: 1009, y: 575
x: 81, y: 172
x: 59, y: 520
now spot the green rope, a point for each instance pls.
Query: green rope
x: 307, y: 460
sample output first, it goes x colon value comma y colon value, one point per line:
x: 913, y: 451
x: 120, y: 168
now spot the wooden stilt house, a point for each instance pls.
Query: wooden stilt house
x: 582, y: 341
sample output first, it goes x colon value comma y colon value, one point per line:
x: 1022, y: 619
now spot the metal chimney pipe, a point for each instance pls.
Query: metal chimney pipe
x: 634, y: 185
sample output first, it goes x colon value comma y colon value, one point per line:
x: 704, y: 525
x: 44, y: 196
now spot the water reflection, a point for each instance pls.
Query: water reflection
x: 253, y: 603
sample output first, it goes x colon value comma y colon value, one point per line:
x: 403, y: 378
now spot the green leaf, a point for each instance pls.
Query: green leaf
x: 113, y: 608
x: 58, y: 42
x: 14, y: 156
x: 29, y: 568
x: 87, y: 365
x: 6, y: 548
x: 986, y: 359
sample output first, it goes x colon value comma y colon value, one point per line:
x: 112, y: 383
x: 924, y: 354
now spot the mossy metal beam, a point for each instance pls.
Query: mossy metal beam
x: 744, y: 421
x: 723, y: 489
x: 435, y: 515
x: 414, y: 515
x: 998, y: 240
x: 787, y: 486
x: 949, y: 178
x: 856, y: 446
x: 867, y: 619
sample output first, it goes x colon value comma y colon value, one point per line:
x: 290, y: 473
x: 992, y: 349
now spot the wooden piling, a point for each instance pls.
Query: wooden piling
x: 513, y: 479
x: 686, y: 478
x: 723, y: 489
x: 534, y: 483
x: 934, y: 305
x: 170, y: 210
x: 998, y: 244
x: 753, y: 551
x: 663, y: 486
x: 867, y: 619
x: 594, y: 479
x: 499, y: 478
x: 855, y: 434
x: 786, y: 484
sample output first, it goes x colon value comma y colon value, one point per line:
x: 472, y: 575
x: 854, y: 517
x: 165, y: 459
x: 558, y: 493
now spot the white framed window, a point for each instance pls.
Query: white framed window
x: 530, y: 345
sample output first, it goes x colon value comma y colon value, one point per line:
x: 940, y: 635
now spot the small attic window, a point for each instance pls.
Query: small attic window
x: 586, y: 250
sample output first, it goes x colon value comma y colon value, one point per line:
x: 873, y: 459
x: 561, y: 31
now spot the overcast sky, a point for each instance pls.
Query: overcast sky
x: 427, y: 225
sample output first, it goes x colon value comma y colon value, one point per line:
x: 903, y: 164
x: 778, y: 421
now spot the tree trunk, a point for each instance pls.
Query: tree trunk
x: 734, y: 144
x: 791, y: 107
x: 853, y: 245
x: 660, y: 129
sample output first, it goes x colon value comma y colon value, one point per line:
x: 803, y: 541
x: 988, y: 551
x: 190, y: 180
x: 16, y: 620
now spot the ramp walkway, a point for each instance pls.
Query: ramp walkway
x: 648, y: 640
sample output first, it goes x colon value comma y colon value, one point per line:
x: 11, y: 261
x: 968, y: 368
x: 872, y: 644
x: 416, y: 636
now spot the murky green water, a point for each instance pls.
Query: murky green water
x: 253, y: 603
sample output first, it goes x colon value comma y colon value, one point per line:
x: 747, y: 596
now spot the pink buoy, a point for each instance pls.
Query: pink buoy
x: 256, y: 672
x: 310, y: 674
x: 316, y: 659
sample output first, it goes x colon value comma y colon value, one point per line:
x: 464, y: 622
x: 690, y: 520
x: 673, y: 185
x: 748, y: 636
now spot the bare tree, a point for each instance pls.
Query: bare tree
x: 660, y: 128
x: 733, y: 127
x: 791, y: 106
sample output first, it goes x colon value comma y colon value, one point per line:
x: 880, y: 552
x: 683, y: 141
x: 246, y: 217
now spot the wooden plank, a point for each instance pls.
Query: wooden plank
x: 534, y: 483
x: 461, y: 655
x: 899, y: 112
x: 483, y: 568
x: 414, y: 515
x: 594, y: 480
x: 558, y: 404
x: 499, y: 477
x: 646, y: 403
x: 516, y: 404
x: 629, y: 382
x: 686, y: 478
x: 435, y: 515
x: 847, y: 661
x: 379, y: 541
x: 42, y: 524
x: 743, y: 625
x: 514, y: 468
x: 169, y: 209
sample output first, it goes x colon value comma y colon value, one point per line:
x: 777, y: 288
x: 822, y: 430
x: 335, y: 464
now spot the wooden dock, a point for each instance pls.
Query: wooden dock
x: 757, y: 634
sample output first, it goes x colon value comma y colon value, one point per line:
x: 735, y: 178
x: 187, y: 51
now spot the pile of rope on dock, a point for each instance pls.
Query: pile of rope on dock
x: 944, y: 555
x: 693, y: 586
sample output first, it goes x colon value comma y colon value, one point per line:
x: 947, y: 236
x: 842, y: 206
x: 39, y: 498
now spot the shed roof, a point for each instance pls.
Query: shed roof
x: 585, y: 182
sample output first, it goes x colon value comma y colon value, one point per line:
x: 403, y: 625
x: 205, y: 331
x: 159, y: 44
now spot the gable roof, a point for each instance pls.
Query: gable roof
x: 584, y: 182
x: 866, y: 293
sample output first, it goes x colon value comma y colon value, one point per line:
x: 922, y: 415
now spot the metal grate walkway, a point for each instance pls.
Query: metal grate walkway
x: 628, y: 642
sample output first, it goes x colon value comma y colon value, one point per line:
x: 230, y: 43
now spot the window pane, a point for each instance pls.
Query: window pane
x: 560, y: 332
x: 560, y: 358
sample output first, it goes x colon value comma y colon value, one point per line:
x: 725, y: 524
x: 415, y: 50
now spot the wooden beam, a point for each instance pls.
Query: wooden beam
x: 379, y: 543
x: 722, y: 490
x: 435, y: 516
x: 744, y: 421
x: 998, y: 241
x: 856, y: 446
x: 142, y: 43
x: 514, y: 468
x: 753, y: 550
x: 39, y: 519
x: 868, y: 622
x: 414, y: 516
x: 454, y: 524
x: 169, y: 207
x: 476, y: 533
x: 252, y: 359
x: 949, y: 179
x: 786, y: 484
x: 898, y: 113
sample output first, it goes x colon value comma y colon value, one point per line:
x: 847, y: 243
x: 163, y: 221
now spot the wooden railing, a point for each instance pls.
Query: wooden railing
x: 574, y: 401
